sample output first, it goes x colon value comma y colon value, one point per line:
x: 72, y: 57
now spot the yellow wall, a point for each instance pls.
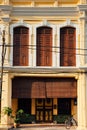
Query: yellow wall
x: 14, y: 105
x: 73, y: 109
x: 42, y: 2
x: 33, y: 107
x: 55, y: 104
x: 57, y: 20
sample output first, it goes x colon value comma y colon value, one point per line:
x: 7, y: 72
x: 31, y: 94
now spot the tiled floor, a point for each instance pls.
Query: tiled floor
x: 42, y: 127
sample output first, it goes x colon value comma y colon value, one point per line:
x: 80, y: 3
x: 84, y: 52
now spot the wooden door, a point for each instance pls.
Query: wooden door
x: 44, y: 110
x: 20, y: 46
x: 44, y: 46
x: 68, y: 46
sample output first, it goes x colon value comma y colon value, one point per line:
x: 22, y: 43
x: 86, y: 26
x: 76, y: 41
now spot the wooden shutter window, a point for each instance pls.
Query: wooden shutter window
x: 20, y: 46
x: 44, y: 46
x: 68, y: 46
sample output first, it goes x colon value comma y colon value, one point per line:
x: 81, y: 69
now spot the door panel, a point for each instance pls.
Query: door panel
x: 39, y: 115
x: 48, y: 115
x: 44, y: 110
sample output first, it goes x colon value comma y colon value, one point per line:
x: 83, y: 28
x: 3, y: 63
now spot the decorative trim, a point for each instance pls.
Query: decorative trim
x: 45, y: 11
x: 47, y: 24
x: 70, y: 24
x: 82, y: 7
x: 43, y: 70
x: 6, y: 19
x: 42, y: 11
x: 2, y: 27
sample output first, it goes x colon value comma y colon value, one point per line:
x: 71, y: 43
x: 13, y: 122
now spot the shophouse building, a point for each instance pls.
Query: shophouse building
x: 45, y: 65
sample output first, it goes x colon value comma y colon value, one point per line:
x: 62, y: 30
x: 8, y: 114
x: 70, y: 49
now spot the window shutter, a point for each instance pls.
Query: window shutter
x: 44, y: 46
x: 37, y: 87
x: 20, y: 51
x: 67, y: 46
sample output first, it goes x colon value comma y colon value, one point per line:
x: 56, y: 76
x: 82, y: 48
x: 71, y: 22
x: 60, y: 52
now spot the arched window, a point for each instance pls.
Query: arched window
x: 20, y: 46
x: 44, y: 46
x: 68, y: 46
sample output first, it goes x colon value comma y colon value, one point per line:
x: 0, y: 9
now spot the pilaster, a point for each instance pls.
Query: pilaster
x: 82, y: 1
x: 81, y: 89
x: 6, y: 2
x: 56, y: 3
x: 6, y: 98
x: 82, y: 40
x: 7, y: 43
x: 5, y: 21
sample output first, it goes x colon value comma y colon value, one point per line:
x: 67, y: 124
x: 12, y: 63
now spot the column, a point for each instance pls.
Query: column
x: 6, y: 82
x: 6, y: 23
x: 33, y: 3
x: 56, y: 3
x: 81, y: 89
x: 6, y: 2
x: 83, y: 2
x: 6, y: 98
x: 7, y: 47
x: 82, y: 45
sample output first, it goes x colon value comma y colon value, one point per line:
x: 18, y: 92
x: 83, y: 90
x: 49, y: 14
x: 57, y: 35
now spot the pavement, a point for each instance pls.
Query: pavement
x: 42, y: 127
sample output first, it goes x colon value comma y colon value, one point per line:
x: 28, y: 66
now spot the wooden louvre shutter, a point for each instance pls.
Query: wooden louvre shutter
x: 68, y: 46
x: 20, y: 50
x: 44, y: 46
x: 38, y: 89
x: 28, y: 87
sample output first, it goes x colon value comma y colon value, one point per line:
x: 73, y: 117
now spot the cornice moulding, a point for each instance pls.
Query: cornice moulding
x: 44, y: 11
x: 42, y: 69
x: 39, y: 11
x: 82, y: 7
x: 6, y: 7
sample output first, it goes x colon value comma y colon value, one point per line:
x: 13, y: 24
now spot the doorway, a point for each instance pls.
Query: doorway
x: 44, y: 110
x: 64, y: 106
x: 25, y: 104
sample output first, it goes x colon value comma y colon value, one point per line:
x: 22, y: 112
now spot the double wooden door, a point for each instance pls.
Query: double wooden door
x: 44, y: 110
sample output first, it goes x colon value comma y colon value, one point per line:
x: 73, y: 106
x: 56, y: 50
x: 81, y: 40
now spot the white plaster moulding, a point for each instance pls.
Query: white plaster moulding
x: 44, y: 11
x: 32, y: 0
x: 6, y: 9
x: 82, y: 7
x: 63, y: 1
x: 43, y: 69
x: 39, y: 11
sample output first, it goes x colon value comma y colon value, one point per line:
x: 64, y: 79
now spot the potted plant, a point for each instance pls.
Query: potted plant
x: 17, y: 118
x: 16, y: 122
x: 8, y: 111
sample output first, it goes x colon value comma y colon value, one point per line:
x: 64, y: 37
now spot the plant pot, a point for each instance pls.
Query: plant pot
x: 55, y: 122
x: 16, y: 125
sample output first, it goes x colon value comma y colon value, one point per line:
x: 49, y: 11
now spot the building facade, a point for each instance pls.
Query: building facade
x: 44, y: 71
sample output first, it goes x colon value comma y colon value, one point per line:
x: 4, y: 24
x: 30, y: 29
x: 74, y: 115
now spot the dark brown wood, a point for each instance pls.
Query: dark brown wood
x: 44, y: 46
x: 20, y: 46
x: 68, y: 46
x: 44, y: 110
x: 25, y: 87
